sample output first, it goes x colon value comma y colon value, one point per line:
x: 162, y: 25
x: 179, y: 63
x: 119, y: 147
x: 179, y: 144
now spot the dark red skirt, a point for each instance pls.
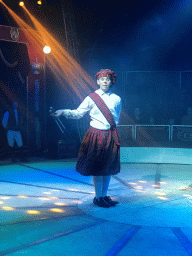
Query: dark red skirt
x: 98, y: 155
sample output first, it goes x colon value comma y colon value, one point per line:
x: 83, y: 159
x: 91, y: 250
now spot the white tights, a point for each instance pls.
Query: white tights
x: 101, y: 184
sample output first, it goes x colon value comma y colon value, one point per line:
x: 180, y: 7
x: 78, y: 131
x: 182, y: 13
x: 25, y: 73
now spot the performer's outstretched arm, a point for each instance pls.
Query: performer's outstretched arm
x: 76, y: 113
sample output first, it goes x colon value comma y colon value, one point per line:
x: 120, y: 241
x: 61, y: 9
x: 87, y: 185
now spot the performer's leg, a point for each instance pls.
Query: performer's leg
x: 106, y: 181
x: 98, y: 183
x: 98, y: 200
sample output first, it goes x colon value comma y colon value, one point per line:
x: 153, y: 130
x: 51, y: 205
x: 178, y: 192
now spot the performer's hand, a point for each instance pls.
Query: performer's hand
x: 60, y: 112
x: 57, y: 113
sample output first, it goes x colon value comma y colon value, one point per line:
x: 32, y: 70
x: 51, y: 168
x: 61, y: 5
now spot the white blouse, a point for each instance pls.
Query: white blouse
x: 98, y: 120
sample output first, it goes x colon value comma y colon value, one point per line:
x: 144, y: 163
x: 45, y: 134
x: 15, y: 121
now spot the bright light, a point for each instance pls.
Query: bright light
x: 138, y: 187
x: 22, y: 196
x: 56, y: 210
x: 7, y: 208
x: 61, y: 204
x: 4, y: 197
x: 160, y: 193
x: 162, y: 198
x: 156, y: 186
x: 33, y: 212
x: 21, y: 3
x: 184, y: 188
x: 39, y: 2
x: 46, y: 49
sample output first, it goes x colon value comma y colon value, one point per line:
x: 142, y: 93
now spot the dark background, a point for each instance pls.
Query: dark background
x: 128, y: 35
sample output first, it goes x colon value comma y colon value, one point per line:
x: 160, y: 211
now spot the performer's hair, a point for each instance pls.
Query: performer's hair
x: 108, y: 73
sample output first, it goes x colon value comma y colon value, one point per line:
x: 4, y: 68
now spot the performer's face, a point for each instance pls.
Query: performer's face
x: 104, y: 83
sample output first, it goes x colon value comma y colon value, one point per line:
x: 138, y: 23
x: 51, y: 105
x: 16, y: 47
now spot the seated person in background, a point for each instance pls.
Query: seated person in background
x: 187, y: 119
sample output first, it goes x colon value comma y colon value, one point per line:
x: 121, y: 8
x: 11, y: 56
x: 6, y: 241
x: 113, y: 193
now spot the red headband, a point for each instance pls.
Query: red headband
x: 106, y: 73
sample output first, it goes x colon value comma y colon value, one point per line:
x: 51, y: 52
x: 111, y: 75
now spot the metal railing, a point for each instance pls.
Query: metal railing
x: 184, y: 132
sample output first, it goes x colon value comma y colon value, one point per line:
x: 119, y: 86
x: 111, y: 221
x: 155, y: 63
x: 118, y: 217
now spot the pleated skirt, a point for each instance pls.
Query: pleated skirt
x: 98, y: 155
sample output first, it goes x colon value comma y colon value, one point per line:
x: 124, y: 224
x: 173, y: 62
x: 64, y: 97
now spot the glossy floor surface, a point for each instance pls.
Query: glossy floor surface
x: 46, y: 208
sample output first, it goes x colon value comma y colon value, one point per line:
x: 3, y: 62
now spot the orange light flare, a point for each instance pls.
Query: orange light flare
x: 62, y: 64
x: 65, y: 69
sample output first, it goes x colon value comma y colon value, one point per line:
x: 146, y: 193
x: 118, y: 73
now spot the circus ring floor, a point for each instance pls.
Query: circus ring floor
x: 46, y: 209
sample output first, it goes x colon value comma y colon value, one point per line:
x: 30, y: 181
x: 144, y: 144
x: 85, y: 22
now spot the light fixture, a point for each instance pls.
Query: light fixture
x: 21, y: 3
x: 46, y: 49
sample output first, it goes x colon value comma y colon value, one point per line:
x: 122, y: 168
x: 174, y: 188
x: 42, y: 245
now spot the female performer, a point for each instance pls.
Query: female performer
x: 99, y: 154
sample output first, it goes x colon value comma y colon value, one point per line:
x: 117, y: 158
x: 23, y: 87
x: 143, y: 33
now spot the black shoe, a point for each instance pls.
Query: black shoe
x: 110, y: 201
x: 101, y: 202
